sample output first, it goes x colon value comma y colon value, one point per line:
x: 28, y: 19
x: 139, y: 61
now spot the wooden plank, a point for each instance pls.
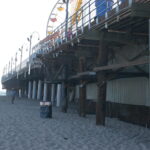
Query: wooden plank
x: 65, y: 97
x: 82, y: 91
x: 87, y: 73
x: 112, y: 36
x: 86, y: 45
x: 140, y: 10
x: 73, y: 77
x: 117, y: 66
x: 82, y: 97
x: 58, y: 72
x: 102, y: 60
x: 101, y: 100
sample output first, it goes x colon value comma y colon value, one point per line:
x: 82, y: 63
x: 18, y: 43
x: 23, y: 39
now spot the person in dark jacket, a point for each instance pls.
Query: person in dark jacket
x: 14, y: 93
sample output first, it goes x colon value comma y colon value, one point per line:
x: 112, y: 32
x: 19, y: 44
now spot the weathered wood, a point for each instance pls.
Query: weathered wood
x: 82, y: 97
x: 149, y: 70
x: 49, y: 91
x: 101, y: 77
x: 82, y: 91
x: 140, y: 10
x: 116, y: 66
x: 128, y: 60
x: 113, y: 36
x: 148, y: 119
x: 65, y: 88
x: 86, y: 45
x: 58, y: 72
x: 86, y: 73
x: 136, y: 114
x: 101, y: 101
x: 65, y: 98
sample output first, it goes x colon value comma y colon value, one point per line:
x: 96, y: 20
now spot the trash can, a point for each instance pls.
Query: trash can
x: 45, y: 110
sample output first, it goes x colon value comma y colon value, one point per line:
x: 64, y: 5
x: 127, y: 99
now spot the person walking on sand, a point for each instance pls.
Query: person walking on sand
x: 13, y: 96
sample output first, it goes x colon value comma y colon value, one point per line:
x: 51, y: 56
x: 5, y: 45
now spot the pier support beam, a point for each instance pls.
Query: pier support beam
x: 39, y: 90
x: 82, y: 91
x: 52, y: 93
x: 64, y: 96
x: 20, y: 93
x: 29, y: 89
x: 101, y: 100
x: 34, y: 90
x: 25, y: 92
x: 64, y: 89
x: 149, y: 76
x: 59, y: 87
x: 45, y: 92
x: 101, y: 77
x: 82, y: 98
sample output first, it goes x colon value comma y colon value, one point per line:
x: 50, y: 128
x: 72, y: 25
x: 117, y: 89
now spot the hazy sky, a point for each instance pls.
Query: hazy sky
x: 18, y: 19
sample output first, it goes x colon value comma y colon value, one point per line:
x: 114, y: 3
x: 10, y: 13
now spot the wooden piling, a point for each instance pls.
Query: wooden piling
x: 101, y: 78
x: 82, y: 91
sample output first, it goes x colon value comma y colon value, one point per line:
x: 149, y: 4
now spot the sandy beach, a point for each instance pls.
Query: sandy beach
x: 21, y: 128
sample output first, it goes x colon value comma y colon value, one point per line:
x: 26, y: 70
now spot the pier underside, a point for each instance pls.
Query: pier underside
x: 107, y: 52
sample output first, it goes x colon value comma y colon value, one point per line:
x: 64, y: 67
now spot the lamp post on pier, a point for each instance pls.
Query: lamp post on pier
x: 21, y: 52
x: 21, y: 56
x: 16, y: 62
x: 67, y: 15
x: 11, y: 65
x: 8, y: 67
x: 6, y: 70
x: 30, y: 49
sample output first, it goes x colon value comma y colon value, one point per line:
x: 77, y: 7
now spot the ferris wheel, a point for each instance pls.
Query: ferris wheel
x: 58, y: 14
x: 56, y: 17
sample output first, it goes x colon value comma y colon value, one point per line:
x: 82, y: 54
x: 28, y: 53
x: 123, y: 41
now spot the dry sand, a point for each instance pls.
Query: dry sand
x: 21, y: 128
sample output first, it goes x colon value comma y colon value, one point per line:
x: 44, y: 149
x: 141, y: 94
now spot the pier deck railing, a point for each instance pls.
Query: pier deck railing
x: 88, y: 17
